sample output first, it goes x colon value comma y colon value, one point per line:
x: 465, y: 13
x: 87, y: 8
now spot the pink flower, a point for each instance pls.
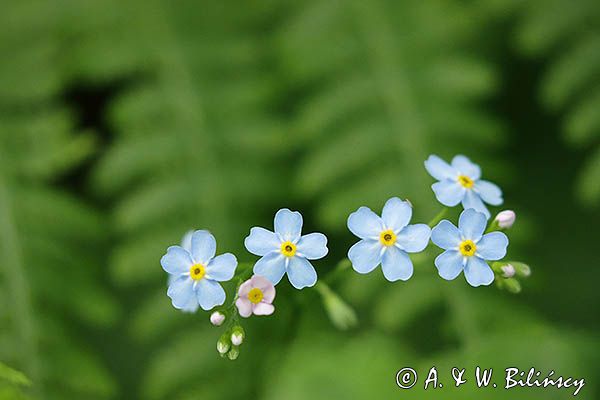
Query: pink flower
x: 255, y: 297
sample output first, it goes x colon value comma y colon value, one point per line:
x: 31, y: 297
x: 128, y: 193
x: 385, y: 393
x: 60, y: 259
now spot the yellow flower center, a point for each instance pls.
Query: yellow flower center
x: 387, y: 238
x: 467, y: 248
x: 255, y: 295
x: 465, y: 181
x: 197, y: 272
x: 288, y: 249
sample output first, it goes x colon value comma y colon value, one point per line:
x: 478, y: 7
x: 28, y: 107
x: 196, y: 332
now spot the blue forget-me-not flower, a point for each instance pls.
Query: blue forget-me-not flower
x: 286, y: 250
x: 197, y: 273
x: 186, y: 243
x: 467, y: 248
x: 386, y: 240
x: 459, y: 182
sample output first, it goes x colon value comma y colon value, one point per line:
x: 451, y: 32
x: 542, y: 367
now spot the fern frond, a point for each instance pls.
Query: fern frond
x: 569, y: 37
x: 197, y: 139
x: 51, y: 269
x: 388, y: 83
x: 12, y: 383
x: 50, y: 241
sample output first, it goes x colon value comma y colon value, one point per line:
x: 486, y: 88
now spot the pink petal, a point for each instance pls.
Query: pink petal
x: 245, y: 288
x: 265, y: 286
x: 244, y: 307
x: 263, y: 309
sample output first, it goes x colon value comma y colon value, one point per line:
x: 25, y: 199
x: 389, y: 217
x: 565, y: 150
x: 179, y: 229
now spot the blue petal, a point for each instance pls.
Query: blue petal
x: 181, y: 291
x: 209, y: 293
x: 365, y: 255
x: 313, y: 246
x: 271, y: 266
x: 489, y: 192
x: 301, y: 273
x: 186, y: 243
x: 492, y: 246
x: 261, y: 241
x: 439, y: 168
x: 204, y: 247
x: 478, y: 272
x: 472, y: 224
x: 396, y: 265
x: 191, y: 306
x: 449, y: 193
x: 465, y: 167
x: 449, y: 264
x: 414, y: 238
x: 472, y: 200
x: 446, y: 235
x: 171, y: 278
x: 396, y: 214
x: 365, y: 224
x: 176, y: 261
x: 288, y: 224
x: 222, y: 267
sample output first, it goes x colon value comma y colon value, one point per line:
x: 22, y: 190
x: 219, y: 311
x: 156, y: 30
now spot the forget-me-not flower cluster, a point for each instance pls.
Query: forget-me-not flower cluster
x: 196, y: 273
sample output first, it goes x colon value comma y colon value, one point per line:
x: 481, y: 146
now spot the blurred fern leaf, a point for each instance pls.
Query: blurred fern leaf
x: 50, y: 241
x: 12, y: 383
x: 188, y: 153
x: 569, y: 36
x: 388, y: 83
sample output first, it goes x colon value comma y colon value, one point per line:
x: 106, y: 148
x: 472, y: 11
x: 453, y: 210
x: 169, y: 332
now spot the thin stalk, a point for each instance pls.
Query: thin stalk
x: 438, y: 217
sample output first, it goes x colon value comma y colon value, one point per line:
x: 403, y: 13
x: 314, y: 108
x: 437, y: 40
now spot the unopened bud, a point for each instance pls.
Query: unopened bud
x: 512, y: 285
x: 236, y: 339
x: 237, y: 336
x: 233, y: 353
x: 508, y: 271
x: 505, y: 219
x: 522, y: 270
x: 223, y: 344
x: 217, y: 318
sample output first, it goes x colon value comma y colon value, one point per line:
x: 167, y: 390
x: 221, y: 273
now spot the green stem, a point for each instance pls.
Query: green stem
x: 231, y: 310
x: 438, y: 217
x: 245, y: 271
x: 493, y: 226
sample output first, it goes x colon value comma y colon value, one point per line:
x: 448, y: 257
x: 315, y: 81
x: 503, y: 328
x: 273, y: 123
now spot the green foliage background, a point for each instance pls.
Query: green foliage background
x: 124, y: 124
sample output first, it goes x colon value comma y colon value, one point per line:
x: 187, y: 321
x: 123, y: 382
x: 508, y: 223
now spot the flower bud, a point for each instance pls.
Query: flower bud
x: 522, y: 270
x: 223, y: 344
x: 512, y: 285
x: 237, y: 336
x: 505, y: 219
x: 233, y: 353
x: 236, y: 339
x: 217, y: 318
x: 508, y: 271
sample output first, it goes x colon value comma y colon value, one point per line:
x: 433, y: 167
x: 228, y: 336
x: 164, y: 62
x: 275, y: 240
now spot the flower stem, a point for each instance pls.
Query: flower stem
x: 438, y: 217
x: 493, y: 226
x: 244, y: 271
